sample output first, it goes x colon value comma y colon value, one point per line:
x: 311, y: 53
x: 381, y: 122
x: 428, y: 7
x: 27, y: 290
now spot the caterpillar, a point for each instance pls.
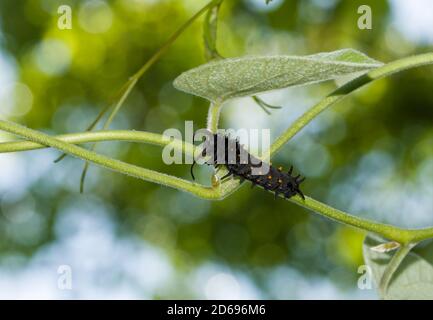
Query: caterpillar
x: 245, y: 166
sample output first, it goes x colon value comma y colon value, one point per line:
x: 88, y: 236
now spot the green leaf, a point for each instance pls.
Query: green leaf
x: 246, y: 76
x: 413, y: 279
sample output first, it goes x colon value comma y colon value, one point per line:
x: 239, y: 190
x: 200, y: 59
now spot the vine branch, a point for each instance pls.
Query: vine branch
x: 130, y: 84
x: 392, y: 267
x: 109, y: 163
x: 65, y: 144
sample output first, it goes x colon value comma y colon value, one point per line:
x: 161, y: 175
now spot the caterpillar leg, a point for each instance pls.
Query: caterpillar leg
x: 300, y: 179
x: 290, y: 170
x: 300, y: 193
x: 192, y: 171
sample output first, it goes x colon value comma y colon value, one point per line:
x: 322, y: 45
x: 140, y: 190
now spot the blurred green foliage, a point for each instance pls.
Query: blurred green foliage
x: 249, y: 230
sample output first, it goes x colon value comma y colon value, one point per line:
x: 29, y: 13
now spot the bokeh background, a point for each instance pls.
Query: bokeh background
x: 371, y: 155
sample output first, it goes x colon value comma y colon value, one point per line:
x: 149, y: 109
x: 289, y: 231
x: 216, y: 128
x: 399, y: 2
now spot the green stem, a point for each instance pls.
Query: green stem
x: 99, y: 136
x: 210, y: 27
x: 392, y: 267
x: 387, y: 231
x: 340, y: 93
x: 214, y: 116
x: 106, y: 162
x: 154, y: 58
x: 134, y: 79
x: 403, y: 236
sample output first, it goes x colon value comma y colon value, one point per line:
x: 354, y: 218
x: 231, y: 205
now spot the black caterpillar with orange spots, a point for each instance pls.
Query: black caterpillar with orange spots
x: 240, y: 163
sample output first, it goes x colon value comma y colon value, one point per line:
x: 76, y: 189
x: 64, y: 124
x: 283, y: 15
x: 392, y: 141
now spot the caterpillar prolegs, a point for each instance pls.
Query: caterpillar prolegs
x: 239, y: 163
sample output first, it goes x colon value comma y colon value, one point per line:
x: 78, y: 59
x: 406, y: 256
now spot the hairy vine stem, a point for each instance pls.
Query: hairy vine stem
x: 398, y: 234
x: 392, y: 267
x: 214, y: 116
x: 65, y: 143
x: 107, y: 162
x: 130, y: 84
x: 343, y: 91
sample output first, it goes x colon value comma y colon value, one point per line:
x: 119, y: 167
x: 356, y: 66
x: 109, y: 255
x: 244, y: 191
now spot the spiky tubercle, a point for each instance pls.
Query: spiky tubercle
x: 239, y: 163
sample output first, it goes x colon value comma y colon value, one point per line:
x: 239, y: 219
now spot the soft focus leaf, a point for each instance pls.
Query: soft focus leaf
x: 414, y: 277
x: 245, y: 76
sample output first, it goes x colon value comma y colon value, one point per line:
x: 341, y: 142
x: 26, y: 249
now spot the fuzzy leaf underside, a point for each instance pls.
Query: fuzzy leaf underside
x: 414, y: 277
x: 245, y: 76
